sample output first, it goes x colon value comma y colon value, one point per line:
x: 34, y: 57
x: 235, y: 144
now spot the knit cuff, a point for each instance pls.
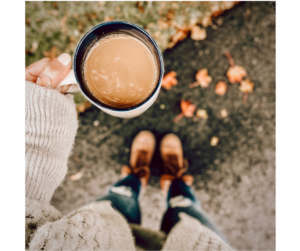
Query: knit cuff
x: 51, y: 124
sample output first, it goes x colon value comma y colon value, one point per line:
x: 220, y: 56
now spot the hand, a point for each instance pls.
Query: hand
x: 56, y: 69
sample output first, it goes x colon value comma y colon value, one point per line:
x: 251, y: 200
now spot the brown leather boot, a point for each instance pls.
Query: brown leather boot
x: 174, y: 164
x: 142, y: 150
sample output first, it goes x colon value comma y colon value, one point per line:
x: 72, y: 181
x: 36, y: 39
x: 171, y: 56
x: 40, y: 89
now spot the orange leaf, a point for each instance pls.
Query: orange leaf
x: 197, y: 33
x: 76, y: 176
x: 246, y: 86
x: 221, y: 88
x: 187, y: 108
x: 202, y: 78
x: 236, y: 73
x: 169, y: 80
x: 181, y: 34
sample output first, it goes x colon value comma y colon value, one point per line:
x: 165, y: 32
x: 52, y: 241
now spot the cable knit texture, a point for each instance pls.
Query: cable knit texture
x: 51, y: 124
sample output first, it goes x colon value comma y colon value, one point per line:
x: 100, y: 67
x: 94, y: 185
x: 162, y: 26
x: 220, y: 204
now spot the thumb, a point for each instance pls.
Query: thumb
x: 56, y: 70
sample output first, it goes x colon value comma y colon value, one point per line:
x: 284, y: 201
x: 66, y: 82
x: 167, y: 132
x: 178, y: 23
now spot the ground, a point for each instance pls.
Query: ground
x: 235, y: 180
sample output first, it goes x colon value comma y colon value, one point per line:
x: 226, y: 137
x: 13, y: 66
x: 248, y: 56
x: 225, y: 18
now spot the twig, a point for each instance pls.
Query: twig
x: 230, y: 59
x: 194, y: 85
x: 178, y: 117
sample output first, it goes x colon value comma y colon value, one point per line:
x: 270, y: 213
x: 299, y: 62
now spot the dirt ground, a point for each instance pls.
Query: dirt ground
x: 235, y: 180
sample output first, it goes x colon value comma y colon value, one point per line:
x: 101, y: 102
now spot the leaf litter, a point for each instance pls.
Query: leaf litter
x: 187, y: 110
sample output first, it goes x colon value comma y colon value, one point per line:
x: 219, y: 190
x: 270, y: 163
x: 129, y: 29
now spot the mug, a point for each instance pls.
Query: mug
x: 76, y: 77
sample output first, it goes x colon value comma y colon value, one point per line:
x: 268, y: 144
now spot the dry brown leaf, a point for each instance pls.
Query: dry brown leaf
x: 187, y: 110
x: 162, y: 24
x: 224, y: 113
x: 216, y: 10
x: 169, y: 80
x: 179, y: 36
x: 228, y: 4
x: 197, y: 33
x: 201, y: 113
x: 34, y: 46
x: 203, y: 78
x: 221, y: 88
x: 110, y: 18
x: 236, y: 73
x: 214, y: 141
x: 246, y: 86
x: 206, y: 21
x: 76, y: 176
x: 83, y: 106
x: 63, y: 21
x: 51, y: 54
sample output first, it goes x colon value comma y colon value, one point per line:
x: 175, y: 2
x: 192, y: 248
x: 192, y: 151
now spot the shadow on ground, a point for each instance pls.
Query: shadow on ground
x: 235, y: 180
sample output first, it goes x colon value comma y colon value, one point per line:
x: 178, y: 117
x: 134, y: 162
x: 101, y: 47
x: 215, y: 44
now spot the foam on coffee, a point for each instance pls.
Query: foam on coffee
x: 120, y: 71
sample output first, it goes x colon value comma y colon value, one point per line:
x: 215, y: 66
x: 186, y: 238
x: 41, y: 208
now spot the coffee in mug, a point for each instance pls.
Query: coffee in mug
x: 118, y: 67
x: 120, y: 71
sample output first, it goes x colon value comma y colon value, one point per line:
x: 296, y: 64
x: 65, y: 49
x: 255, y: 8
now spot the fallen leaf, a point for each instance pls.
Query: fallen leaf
x: 246, y: 86
x: 216, y: 10
x: 140, y: 6
x: 81, y: 107
x: 171, y: 14
x: 169, y: 80
x: 214, y: 141
x: 228, y: 4
x: 51, y: 54
x: 79, y: 26
x: 76, y: 176
x: 206, y: 21
x: 179, y: 36
x: 203, y: 78
x: 236, y: 74
x: 187, y: 110
x: 197, y: 33
x: 162, y: 24
x: 157, y: 34
x: 221, y: 88
x: 201, y: 113
x: 34, y: 46
x: 224, y: 113
x: 110, y: 18
x: 27, y: 22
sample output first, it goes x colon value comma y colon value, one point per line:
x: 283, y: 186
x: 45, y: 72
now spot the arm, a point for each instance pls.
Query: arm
x: 50, y: 128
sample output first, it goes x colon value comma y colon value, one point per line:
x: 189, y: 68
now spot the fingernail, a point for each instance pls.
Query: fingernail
x: 64, y: 59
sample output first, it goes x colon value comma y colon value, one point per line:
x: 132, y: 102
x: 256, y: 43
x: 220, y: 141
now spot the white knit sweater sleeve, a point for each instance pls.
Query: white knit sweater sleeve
x: 50, y: 129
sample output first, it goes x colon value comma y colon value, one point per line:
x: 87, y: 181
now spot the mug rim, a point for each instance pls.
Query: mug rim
x: 161, y: 68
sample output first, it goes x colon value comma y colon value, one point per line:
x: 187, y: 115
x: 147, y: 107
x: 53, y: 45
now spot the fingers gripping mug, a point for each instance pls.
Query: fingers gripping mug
x: 113, y: 83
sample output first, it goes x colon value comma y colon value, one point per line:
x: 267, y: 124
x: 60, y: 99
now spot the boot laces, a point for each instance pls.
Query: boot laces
x: 172, y: 165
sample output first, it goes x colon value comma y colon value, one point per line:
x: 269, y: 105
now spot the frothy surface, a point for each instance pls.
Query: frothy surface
x: 120, y: 71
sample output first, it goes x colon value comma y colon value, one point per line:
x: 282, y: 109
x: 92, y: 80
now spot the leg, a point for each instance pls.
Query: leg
x: 181, y: 199
x: 124, y: 198
x: 124, y: 194
x: 176, y: 186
